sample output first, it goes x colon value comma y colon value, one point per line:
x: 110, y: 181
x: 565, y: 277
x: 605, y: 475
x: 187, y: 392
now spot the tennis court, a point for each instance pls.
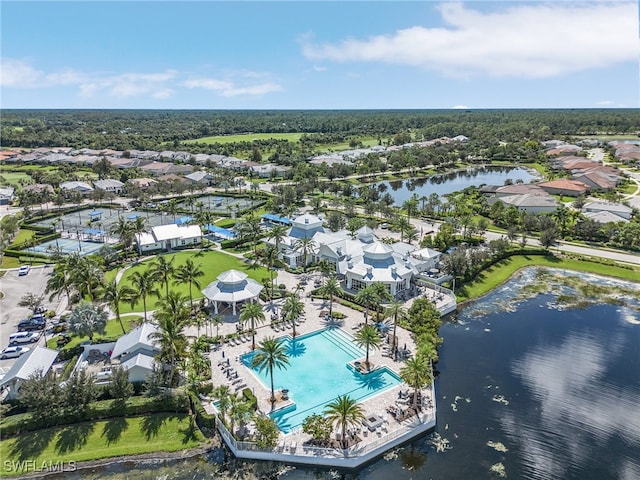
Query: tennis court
x: 101, y: 219
x: 218, y: 204
x: 67, y: 245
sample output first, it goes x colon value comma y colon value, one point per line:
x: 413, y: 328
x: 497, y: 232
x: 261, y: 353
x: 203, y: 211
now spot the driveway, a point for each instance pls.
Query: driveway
x: 13, y: 288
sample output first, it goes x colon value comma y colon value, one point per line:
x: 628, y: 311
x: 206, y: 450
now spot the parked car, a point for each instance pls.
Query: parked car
x: 13, y: 352
x: 384, y: 226
x: 24, y: 337
x: 37, y: 322
x: 23, y: 270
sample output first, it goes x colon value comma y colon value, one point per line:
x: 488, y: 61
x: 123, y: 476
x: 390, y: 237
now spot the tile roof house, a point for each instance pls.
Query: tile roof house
x: 109, y: 185
x: 200, y: 177
x: 565, y: 186
x: 37, y: 359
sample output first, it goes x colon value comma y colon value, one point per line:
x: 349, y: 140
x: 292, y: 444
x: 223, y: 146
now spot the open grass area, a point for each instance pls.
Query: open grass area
x: 212, y: 263
x: 22, y: 236
x: 112, y: 332
x: 248, y: 137
x: 161, y: 432
x: 14, y: 178
x: 499, y: 273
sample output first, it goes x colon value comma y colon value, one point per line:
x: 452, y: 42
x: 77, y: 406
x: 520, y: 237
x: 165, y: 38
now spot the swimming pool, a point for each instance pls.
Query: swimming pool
x: 318, y: 373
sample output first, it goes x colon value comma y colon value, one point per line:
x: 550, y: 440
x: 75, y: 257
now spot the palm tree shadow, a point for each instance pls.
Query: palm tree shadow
x: 370, y: 381
x: 151, y: 425
x: 113, y: 429
x: 31, y: 445
x: 295, y: 348
x: 190, y: 432
x: 73, y: 437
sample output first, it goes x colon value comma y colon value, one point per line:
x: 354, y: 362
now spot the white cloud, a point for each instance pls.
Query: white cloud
x: 531, y: 41
x: 228, y: 89
x: 459, y: 107
x: 605, y: 103
x: 319, y: 69
x: 18, y: 73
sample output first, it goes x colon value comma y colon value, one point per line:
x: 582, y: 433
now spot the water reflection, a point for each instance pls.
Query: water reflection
x: 577, y: 411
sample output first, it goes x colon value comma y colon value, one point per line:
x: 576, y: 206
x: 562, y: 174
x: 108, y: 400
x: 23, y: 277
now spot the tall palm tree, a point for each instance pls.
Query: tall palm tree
x: 397, y: 312
x: 278, y: 233
x: 383, y: 294
x: 271, y: 354
x: 223, y: 394
x: 416, y: 373
x: 331, y: 288
x: 306, y: 245
x: 138, y: 226
x: 368, y: 338
x: 368, y: 298
x: 252, y: 313
x: 292, y: 310
x: 344, y: 411
x: 189, y: 273
x: 60, y: 281
x: 402, y: 224
x: 123, y: 229
x: 411, y: 206
x: 115, y: 295
x: 163, y: 270
x: 270, y: 258
x: 87, y: 275
x: 144, y: 283
x: 172, y: 316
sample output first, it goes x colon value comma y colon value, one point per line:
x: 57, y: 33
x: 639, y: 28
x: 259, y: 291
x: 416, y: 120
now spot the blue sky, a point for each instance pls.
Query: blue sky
x: 319, y: 55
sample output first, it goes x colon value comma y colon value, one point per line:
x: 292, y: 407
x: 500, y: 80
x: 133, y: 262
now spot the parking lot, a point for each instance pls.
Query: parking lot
x: 13, y: 287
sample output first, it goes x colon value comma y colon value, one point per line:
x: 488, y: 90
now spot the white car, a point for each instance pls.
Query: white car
x: 24, y: 337
x: 13, y: 352
x: 23, y: 270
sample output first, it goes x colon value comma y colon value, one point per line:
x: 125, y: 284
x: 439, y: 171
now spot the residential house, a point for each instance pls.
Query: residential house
x: 269, y: 170
x: 564, y: 186
x: 6, y: 195
x: 530, y: 203
x: 83, y: 187
x: 617, y: 209
x: 109, y: 185
x: 143, y: 183
x: 201, y: 178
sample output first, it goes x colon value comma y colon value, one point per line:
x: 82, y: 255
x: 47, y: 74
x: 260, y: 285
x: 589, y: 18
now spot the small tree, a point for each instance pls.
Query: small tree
x: 120, y: 387
x: 80, y: 391
x: 87, y: 319
x: 318, y: 427
x: 31, y: 301
x: 42, y: 394
x: 266, y: 432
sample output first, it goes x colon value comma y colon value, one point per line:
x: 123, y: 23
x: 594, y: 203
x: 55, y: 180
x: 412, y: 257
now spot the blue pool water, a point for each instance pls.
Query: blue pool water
x: 318, y: 373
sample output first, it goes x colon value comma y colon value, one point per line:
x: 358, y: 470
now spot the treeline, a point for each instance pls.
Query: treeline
x: 162, y: 129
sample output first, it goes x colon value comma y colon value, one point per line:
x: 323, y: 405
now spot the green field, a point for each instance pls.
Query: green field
x: 162, y: 432
x: 14, y: 178
x: 248, y: 137
x: 112, y: 332
x: 212, y: 263
x: 499, y: 273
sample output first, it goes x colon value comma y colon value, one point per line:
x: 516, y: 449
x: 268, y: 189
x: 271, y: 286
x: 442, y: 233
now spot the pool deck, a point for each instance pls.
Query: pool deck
x: 389, y: 433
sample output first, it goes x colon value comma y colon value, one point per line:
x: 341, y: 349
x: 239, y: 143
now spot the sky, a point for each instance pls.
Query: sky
x: 319, y: 54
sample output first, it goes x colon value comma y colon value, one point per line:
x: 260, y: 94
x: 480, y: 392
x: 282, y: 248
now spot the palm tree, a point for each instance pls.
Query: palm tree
x: 278, y: 233
x: 271, y: 354
x: 217, y: 321
x: 270, y: 257
x: 292, y: 310
x: 411, y: 206
x: 368, y: 337
x: 306, y: 245
x: 189, y: 273
x: 331, y: 288
x: 368, y: 298
x: 223, y: 394
x: 416, y: 373
x: 253, y: 314
x: 397, y: 312
x: 172, y: 316
x: 115, y: 295
x: 402, y: 225
x: 87, y: 275
x: 60, y: 281
x: 123, y: 229
x: 344, y: 411
x: 144, y: 283
x: 163, y: 270
x: 87, y: 318
x: 382, y: 292
x: 138, y: 226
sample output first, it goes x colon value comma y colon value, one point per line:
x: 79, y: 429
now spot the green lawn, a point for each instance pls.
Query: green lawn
x: 212, y: 263
x: 112, y: 332
x: 14, y: 178
x: 499, y: 273
x: 22, y: 236
x: 248, y: 137
x: 101, y: 439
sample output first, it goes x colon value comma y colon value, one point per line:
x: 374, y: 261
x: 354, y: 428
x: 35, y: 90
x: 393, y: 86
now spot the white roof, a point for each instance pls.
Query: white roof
x: 230, y: 287
x: 139, y: 360
x: 109, y: 182
x: 528, y: 200
x: 604, y: 217
x: 168, y: 232
x: 425, y: 254
x: 607, y: 207
x: 76, y: 185
x: 38, y: 358
x: 137, y: 338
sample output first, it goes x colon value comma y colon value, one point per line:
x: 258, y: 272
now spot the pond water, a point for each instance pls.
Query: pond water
x: 402, y: 190
x: 528, y: 388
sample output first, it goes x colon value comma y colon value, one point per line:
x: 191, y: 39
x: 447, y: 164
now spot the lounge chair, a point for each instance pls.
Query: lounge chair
x: 293, y: 446
x: 240, y: 387
x: 281, y: 445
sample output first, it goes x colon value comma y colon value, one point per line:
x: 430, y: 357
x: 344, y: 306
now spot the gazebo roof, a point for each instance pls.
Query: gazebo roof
x: 232, y: 286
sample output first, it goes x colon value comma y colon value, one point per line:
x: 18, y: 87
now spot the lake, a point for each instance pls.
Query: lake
x: 528, y: 388
x: 402, y: 190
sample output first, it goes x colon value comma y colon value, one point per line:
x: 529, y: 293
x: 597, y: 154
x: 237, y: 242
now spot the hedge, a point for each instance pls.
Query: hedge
x: 203, y: 418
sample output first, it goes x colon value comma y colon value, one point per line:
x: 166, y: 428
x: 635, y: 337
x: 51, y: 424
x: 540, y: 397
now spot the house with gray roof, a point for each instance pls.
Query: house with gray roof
x: 136, y: 350
x: 6, y: 195
x: 83, y: 187
x: 617, y: 209
x: 37, y: 359
x: 109, y: 185
x: 529, y: 203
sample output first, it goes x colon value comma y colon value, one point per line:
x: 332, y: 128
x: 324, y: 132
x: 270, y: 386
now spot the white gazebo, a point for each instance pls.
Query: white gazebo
x: 232, y: 287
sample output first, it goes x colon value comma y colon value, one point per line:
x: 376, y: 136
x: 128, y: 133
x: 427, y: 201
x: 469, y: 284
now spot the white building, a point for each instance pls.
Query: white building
x: 135, y: 352
x: 109, y: 185
x: 616, y: 209
x: 360, y: 259
x: 83, y: 187
x: 232, y: 287
x: 37, y: 359
x: 165, y: 237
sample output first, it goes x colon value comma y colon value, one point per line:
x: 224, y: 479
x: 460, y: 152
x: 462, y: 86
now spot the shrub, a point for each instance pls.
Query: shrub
x: 248, y: 395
